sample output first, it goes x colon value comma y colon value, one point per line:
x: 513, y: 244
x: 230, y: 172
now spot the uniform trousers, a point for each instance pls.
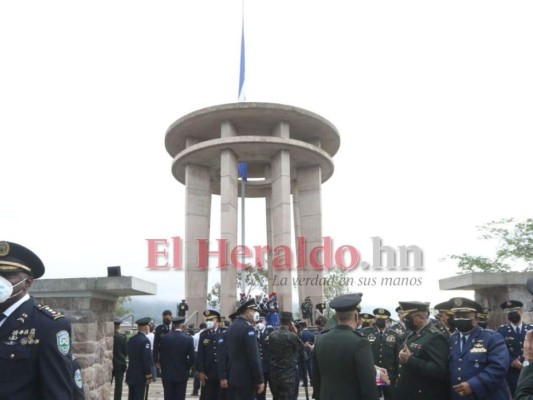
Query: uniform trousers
x: 174, y: 390
x: 137, y: 391
x: 242, y: 393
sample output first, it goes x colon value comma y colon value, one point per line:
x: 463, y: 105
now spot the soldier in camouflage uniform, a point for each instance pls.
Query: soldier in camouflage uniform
x: 285, y: 348
x: 385, y: 348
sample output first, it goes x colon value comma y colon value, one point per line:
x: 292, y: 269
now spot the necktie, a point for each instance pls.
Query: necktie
x: 518, y: 330
x: 463, y: 343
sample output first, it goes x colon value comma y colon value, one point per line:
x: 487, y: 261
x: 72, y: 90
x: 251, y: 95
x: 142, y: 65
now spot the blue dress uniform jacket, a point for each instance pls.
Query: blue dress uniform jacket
x: 176, y: 356
x: 483, y: 363
x: 244, y: 362
x: 207, y: 352
x: 515, y: 345
x: 35, y: 357
x: 140, y: 366
x: 425, y: 375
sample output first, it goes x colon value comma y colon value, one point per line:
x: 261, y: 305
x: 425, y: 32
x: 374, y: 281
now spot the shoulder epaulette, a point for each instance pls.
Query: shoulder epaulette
x: 358, y: 333
x: 434, y: 329
x: 49, y: 312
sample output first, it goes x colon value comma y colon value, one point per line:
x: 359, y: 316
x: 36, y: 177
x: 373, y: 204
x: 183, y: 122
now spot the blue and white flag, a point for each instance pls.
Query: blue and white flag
x: 243, y: 64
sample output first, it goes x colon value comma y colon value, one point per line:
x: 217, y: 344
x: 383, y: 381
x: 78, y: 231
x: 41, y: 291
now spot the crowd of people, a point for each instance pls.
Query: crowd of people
x: 353, y: 355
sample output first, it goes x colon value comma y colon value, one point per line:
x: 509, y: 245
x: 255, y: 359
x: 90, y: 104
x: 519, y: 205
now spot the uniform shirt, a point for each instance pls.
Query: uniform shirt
x: 482, y: 362
x: 284, y: 348
x: 35, y: 356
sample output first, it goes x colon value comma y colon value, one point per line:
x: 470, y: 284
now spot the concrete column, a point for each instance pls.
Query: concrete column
x: 228, y: 221
x: 281, y: 219
x: 297, y: 233
x: 308, y: 189
x: 197, y: 224
x: 268, y: 212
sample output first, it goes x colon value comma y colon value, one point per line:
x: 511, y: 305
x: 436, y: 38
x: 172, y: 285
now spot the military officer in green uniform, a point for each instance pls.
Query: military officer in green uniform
x: 483, y: 318
x: 445, y: 318
x: 343, y: 366
x: 367, y: 320
x: 423, y: 359
x: 399, y: 327
x: 385, y: 348
x: 120, y: 353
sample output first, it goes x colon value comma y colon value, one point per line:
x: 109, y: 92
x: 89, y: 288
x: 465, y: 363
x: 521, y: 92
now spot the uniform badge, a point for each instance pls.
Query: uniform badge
x: 371, y: 338
x: 205, y: 341
x: 77, y: 379
x: 251, y: 333
x: 391, y: 339
x: 147, y: 345
x: 63, y: 342
x: 4, y: 249
x: 458, y: 301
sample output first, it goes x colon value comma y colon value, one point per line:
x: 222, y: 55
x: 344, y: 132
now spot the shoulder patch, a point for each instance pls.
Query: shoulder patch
x: 251, y: 333
x: 49, y: 312
x: 77, y: 379
x: 63, y: 342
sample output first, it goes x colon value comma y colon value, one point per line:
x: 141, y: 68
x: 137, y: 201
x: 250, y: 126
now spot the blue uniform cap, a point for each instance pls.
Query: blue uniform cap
x: 246, y: 305
x: 16, y: 258
x: 178, y: 320
x: 143, y: 321
x: 510, y: 306
x: 462, y: 304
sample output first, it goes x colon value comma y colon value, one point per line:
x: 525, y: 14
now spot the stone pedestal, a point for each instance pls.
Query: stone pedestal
x: 493, y: 288
x: 89, y: 303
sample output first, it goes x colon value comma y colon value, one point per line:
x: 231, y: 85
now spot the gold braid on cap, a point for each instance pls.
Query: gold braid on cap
x: 13, y: 266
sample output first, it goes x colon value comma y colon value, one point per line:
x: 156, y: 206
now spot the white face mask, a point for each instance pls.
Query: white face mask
x: 210, y: 324
x: 260, y: 326
x: 256, y: 316
x: 6, y: 289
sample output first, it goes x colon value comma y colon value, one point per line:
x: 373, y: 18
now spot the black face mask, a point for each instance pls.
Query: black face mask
x: 514, y: 317
x: 380, y: 323
x: 409, y: 324
x: 451, y: 324
x: 464, y: 325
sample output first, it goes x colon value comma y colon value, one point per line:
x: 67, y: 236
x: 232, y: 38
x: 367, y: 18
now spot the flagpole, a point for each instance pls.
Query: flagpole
x: 241, y: 98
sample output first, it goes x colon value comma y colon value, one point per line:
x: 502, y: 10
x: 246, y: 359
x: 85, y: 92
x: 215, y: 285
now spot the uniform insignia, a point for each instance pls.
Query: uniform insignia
x: 49, y: 312
x: 371, y: 338
x: 77, y: 379
x: 63, y: 342
x: 221, y: 340
x: 205, y: 341
x: 4, y: 249
x: 147, y: 345
x: 390, y: 339
x: 458, y: 301
x: 251, y: 333
x: 381, y: 311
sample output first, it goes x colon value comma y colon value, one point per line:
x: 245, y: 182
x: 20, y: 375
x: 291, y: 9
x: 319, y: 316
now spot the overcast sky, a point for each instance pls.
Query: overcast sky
x: 432, y: 101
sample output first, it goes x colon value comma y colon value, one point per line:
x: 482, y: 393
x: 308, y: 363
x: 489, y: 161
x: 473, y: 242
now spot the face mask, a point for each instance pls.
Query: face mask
x: 380, y: 323
x: 409, y: 324
x: 6, y: 289
x: 514, y: 317
x: 256, y: 316
x: 210, y: 324
x: 464, y: 325
x: 260, y: 326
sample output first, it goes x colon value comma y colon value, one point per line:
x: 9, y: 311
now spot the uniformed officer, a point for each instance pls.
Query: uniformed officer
x: 524, y: 387
x: 285, y: 348
x: 483, y: 318
x: 385, y: 348
x: 262, y: 332
x: 176, y: 356
x: 367, y: 319
x: 399, y: 327
x: 445, y: 318
x: 423, y: 370
x: 120, y: 352
x: 244, y: 372
x: 206, y: 365
x: 514, y: 334
x: 183, y: 307
x: 35, y: 356
x: 78, y: 382
x: 343, y: 366
x: 163, y: 329
x: 478, y: 358
x: 139, y: 373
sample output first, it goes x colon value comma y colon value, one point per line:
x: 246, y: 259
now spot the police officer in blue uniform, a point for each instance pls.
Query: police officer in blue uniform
x: 207, y: 365
x: 263, y: 331
x: 514, y: 334
x: 35, y: 355
x: 478, y: 358
x: 176, y: 357
x: 139, y: 373
x: 244, y: 373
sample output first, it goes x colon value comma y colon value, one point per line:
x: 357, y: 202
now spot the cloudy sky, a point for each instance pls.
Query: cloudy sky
x: 432, y: 101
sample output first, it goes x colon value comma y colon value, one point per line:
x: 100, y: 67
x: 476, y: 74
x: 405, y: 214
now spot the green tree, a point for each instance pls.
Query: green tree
x: 213, y: 297
x: 336, y: 284
x: 514, y: 246
x: 256, y: 279
x: 123, y: 307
